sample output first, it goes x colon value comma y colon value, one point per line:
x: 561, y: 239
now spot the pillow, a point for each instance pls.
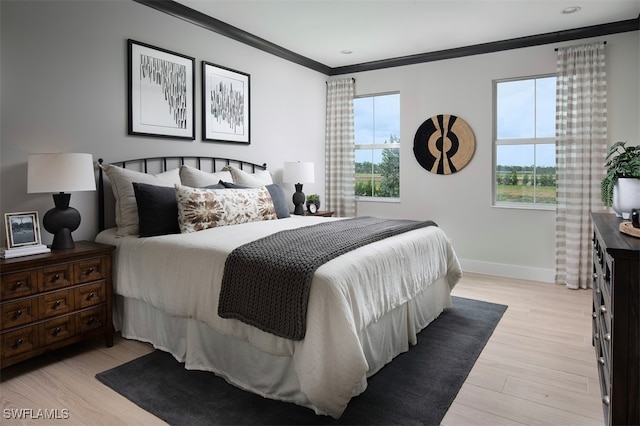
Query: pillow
x: 157, y: 209
x: 122, y: 187
x: 190, y: 176
x: 277, y: 196
x: 252, y: 180
x: 200, y: 208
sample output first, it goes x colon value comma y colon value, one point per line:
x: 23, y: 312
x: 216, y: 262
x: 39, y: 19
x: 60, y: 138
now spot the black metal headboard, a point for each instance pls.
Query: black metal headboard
x: 162, y: 164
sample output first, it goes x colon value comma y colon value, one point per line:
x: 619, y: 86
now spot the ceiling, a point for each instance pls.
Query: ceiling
x: 374, y: 30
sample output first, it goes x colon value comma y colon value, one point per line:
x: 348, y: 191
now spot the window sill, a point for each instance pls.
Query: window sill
x: 377, y: 200
x: 526, y: 206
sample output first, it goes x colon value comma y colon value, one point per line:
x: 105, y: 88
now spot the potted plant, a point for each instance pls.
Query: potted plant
x: 621, y: 186
x: 313, y: 199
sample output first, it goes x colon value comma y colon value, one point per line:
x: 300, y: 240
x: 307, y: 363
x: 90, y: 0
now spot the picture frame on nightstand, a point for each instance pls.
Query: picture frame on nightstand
x: 22, y: 229
x: 22, y: 232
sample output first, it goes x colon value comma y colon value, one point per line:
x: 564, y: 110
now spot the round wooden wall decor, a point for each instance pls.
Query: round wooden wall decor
x: 444, y: 144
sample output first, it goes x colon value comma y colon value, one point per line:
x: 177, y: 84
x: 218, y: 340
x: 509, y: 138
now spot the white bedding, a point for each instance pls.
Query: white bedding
x: 180, y: 275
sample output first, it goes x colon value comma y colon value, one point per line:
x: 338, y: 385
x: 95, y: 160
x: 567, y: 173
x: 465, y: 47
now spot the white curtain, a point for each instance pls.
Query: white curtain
x: 581, y: 146
x: 339, y: 148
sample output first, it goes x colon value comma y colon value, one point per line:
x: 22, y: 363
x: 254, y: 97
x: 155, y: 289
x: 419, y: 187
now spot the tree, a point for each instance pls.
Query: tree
x: 389, y: 169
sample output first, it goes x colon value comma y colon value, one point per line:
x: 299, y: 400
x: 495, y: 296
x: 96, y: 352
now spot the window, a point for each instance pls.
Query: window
x: 377, y: 146
x: 524, y: 160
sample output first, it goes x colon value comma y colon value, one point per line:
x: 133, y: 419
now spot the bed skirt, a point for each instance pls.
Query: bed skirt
x: 241, y: 364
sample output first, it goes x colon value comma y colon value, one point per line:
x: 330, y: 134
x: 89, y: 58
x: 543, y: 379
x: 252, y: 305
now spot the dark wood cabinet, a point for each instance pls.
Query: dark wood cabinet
x: 54, y: 299
x: 323, y: 213
x: 616, y: 319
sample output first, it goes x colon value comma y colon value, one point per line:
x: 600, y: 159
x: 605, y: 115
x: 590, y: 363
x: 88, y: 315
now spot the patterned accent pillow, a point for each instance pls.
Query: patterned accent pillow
x: 200, y: 208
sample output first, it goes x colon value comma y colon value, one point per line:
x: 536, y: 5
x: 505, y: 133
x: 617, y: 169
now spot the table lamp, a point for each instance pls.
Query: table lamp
x: 300, y: 172
x: 59, y: 174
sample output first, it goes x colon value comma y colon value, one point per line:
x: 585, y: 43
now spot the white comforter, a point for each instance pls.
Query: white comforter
x: 181, y: 274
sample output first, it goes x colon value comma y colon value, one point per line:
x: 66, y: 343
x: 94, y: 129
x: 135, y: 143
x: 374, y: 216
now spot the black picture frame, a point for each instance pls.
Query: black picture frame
x: 226, y: 104
x: 22, y: 229
x: 161, y: 87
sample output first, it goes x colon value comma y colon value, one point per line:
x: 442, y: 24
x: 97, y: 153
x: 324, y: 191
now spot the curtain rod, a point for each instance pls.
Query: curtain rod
x: 352, y: 79
x: 556, y: 49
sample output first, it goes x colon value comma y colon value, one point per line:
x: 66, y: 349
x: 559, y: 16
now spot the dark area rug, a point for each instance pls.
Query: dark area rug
x: 417, y: 387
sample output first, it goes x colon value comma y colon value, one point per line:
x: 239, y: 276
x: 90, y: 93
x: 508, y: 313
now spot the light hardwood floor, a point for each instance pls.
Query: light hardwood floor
x: 537, y: 368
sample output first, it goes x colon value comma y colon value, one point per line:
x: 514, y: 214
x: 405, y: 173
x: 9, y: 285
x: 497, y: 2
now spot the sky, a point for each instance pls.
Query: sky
x: 526, y: 109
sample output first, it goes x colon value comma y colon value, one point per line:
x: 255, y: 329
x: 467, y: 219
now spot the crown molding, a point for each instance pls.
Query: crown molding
x: 497, y: 46
x: 205, y: 21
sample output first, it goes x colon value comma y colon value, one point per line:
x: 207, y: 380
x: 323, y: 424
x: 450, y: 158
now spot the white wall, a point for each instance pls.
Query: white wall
x: 63, y: 71
x: 64, y: 68
x: 501, y: 241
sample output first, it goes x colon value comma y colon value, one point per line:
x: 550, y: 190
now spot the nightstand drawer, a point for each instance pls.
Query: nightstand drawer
x: 57, y: 276
x: 91, y: 319
x: 18, y: 341
x: 19, y: 313
x: 89, y: 270
x: 57, y: 329
x: 58, y: 303
x: 55, y: 299
x: 19, y: 284
x: 90, y: 295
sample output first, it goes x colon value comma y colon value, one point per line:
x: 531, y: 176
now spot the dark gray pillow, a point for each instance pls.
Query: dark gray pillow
x: 214, y: 186
x: 277, y: 195
x: 157, y: 209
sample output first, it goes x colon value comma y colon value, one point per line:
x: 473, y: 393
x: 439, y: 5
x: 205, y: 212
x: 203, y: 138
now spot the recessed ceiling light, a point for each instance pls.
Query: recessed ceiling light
x: 571, y: 9
x: 346, y: 52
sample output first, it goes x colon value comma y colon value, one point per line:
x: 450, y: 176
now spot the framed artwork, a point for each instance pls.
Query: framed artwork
x: 161, y: 98
x: 22, y: 229
x: 225, y: 104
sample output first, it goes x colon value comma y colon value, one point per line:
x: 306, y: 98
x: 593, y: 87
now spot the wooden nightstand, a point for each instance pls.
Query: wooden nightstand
x: 54, y: 299
x: 323, y: 213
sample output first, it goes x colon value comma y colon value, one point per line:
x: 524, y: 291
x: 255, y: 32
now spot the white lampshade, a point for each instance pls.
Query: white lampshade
x: 298, y: 172
x: 68, y: 172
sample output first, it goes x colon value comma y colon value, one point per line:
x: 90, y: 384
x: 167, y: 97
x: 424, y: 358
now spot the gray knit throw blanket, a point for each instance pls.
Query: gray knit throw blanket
x: 266, y: 282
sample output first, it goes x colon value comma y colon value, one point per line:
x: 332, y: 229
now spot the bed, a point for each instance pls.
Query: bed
x: 364, y: 307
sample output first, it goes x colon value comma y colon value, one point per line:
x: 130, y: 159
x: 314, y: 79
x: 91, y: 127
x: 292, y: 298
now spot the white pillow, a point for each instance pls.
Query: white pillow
x: 252, y: 180
x: 122, y: 186
x: 200, y: 208
x: 190, y: 176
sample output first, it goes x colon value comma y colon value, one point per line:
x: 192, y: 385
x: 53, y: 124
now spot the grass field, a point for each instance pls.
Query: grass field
x: 505, y: 193
x: 525, y: 194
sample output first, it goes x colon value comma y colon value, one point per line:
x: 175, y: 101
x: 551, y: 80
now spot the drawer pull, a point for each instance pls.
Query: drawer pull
x: 90, y: 296
x: 603, y: 309
x: 601, y: 360
x: 18, y: 342
x: 606, y: 400
x: 607, y: 337
x: 595, y: 275
x: 56, y: 277
x: 17, y: 285
x: 18, y: 313
x: 89, y: 271
x: 594, y: 315
x: 56, y: 304
x: 596, y: 336
x: 56, y: 331
x: 91, y: 320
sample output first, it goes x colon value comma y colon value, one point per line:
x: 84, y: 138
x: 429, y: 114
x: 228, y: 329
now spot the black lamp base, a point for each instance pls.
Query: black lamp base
x: 61, y: 221
x: 298, y: 200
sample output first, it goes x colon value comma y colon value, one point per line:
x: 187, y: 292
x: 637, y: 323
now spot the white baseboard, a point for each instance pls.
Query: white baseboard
x: 509, y: 271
